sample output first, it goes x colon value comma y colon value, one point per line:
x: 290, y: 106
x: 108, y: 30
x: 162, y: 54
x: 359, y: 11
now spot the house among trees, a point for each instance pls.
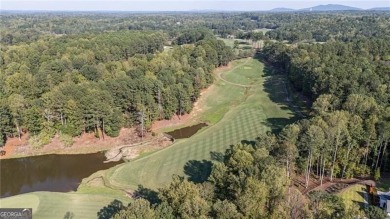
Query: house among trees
x: 384, y: 201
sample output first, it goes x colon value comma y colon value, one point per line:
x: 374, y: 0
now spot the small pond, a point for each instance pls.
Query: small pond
x: 186, y: 132
x: 56, y: 173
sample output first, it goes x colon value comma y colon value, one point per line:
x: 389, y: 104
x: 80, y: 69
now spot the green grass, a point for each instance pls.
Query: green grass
x: 264, y: 30
x: 230, y: 42
x: 239, y: 113
x: 53, y: 205
x: 353, y: 194
x: 383, y: 185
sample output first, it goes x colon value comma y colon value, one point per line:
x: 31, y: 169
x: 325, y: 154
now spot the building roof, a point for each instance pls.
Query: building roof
x: 388, y: 206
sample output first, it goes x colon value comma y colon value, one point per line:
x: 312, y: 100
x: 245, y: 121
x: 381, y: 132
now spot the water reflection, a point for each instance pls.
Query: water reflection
x: 59, y: 173
x: 186, y: 132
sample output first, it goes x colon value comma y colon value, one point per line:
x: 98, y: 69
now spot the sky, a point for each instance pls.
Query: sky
x: 176, y: 5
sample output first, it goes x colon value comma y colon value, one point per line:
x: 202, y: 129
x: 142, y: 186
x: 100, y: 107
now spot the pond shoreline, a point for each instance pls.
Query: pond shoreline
x: 85, y: 144
x: 54, y: 172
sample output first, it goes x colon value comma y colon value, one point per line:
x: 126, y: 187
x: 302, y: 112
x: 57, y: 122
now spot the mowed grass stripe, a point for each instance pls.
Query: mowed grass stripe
x: 53, y: 205
x: 247, y: 112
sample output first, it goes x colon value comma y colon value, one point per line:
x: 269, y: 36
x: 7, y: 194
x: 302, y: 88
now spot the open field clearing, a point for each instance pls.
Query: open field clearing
x: 243, y: 113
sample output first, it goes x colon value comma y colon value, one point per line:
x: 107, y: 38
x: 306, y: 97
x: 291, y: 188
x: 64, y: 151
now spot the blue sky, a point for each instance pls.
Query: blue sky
x: 175, y: 5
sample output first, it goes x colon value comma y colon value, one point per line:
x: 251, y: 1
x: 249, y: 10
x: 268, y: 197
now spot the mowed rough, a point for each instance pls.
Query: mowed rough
x: 57, y: 205
x: 242, y: 113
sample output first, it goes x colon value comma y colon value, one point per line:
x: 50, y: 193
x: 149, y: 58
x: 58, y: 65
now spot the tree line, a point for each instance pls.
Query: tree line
x: 100, y: 83
x: 348, y: 131
x: 294, y: 27
x: 247, y: 181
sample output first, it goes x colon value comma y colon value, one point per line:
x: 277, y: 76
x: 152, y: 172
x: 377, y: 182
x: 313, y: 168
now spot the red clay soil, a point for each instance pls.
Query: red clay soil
x: 12, y: 144
x: 174, y: 121
x: 86, y: 143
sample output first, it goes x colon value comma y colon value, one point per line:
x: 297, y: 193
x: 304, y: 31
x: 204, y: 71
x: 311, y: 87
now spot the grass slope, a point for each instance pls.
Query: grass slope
x: 242, y: 113
x: 354, y: 195
x: 52, y: 205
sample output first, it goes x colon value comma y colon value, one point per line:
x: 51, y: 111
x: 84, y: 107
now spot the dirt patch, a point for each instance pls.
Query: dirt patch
x: 13, y: 144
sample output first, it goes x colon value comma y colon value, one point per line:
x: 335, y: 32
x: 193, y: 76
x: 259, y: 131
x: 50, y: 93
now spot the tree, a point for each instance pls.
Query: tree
x: 185, y: 199
x: 288, y: 147
x: 164, y: 211
x: 337, y: 123
x: 325, y: 205
x: 6, y: 121
x: 114, y: 123
x: 252, y: 201
x: 225, y: 210
x: 373, y: 212
x: 138, y: 209
x: 17, y: 105
x: 312, y: 141
x: 33, y: 119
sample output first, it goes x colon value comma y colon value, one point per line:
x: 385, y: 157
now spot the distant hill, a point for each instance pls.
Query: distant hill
x: 282, y: 10
x: 379, y: 9
x: 328, y: 7
x: 331, y: 7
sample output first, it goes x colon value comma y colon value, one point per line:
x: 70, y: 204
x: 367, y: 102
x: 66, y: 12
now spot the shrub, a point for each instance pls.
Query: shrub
x: 373, y: 212
x: 377, y: 174
x: 67, y: 140
x: 43, y: 138
x: 70, y: 129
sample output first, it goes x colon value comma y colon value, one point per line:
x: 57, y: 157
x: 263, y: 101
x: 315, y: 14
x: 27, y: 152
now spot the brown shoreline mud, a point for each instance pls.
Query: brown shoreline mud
x: 88, y: 143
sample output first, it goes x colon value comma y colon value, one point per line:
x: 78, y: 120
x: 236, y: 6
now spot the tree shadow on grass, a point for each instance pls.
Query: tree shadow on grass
x: 110, y: 210
x: 280, y: 91
x: 69, y: 215
x: 361, y: 205
x: 247, y: 142
x: 217, y: 156
x: 198, y: 171
x: 277, y: 124
x: 146, y: 193
x: 363, y: 195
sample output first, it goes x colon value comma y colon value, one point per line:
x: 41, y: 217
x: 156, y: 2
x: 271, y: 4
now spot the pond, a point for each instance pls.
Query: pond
x: 186, y: 132
x: 56, y: 173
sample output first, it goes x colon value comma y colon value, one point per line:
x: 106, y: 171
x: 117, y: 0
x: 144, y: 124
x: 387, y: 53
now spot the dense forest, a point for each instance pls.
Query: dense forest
x: 102, y: 82
x: 349, y: 83
x: 98, y: 72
